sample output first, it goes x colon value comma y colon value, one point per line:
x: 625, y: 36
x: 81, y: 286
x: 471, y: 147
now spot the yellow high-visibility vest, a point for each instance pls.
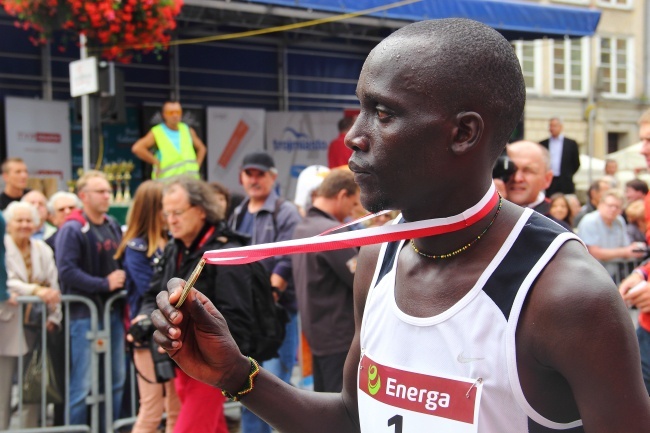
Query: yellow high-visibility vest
x: 173, y: 162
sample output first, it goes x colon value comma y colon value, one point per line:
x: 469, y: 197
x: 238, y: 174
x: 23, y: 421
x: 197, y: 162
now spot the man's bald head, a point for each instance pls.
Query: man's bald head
x: 467, y: 66
x: 533, y: 174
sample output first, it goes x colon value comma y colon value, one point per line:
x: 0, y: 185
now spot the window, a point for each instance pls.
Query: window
x: 529, y: 54
x: 612, y: 142
x: 570, y: 73
x: 616, y: 66
x: 619, y: 4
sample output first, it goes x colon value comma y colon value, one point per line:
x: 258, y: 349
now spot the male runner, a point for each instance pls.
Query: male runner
x: 507, y: 325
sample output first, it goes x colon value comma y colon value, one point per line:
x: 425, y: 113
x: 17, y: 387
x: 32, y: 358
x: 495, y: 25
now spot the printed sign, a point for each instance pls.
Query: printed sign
x: 39, y: 133
x: 405, y: 401
x: 83, y: 77
x: 232, y: 133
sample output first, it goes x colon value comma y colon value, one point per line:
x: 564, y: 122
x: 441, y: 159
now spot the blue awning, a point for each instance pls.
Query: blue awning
x: 514, y: 19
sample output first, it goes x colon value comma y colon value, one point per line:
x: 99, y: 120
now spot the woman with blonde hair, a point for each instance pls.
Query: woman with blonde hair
x: 141, y: 249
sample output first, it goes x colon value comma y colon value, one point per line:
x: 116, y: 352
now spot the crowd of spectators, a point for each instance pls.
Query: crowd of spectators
x: 68, y: 244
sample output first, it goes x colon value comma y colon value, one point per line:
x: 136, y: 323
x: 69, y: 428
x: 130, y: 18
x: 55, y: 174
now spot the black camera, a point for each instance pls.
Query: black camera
x: 504, y: 168
x: 142, y: 333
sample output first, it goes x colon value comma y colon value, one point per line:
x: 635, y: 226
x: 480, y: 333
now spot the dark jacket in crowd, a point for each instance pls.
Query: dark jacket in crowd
x: 228, y: 287
x: 324, y: 289
x: 273, y: 226
x: 569, y: 165
x: 77, y: 261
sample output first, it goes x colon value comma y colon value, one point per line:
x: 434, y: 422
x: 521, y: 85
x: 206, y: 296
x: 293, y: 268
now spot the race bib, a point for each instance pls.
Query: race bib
x: 392, y: 400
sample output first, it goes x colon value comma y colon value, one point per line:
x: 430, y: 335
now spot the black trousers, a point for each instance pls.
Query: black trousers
x: 328, y: 372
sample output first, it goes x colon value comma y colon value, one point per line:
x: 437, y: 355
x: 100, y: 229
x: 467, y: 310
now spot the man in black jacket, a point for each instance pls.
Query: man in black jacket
x: 565, y: 158
x: 196, y: 223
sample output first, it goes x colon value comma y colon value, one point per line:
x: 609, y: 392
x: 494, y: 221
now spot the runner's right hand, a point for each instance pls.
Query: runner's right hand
x: 196, y: 336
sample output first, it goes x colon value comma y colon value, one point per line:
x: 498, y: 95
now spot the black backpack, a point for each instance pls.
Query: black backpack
x: 270, y: 318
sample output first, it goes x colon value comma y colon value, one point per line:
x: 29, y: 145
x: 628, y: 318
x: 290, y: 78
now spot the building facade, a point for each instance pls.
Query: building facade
x: 602, y: 77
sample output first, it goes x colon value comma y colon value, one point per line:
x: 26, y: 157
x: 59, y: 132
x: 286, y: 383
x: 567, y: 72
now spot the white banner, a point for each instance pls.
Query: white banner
x: 232, y: 133
x: 298, y: 139
x: 39, y: 133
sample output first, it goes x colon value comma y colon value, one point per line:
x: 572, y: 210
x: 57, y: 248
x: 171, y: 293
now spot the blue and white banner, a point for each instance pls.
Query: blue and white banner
x: 298, y: 139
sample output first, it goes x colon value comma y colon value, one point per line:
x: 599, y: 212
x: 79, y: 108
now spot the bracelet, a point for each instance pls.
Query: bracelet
x: 250, y: 383
x: 642, y: 273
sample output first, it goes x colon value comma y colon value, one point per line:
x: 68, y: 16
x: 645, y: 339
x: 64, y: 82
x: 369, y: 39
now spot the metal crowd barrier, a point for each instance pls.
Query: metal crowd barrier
x: 100, y: 351
x: 623, y: 268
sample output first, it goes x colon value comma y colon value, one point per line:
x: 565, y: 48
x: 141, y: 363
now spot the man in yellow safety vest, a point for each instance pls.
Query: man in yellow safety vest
x: 179, y: 150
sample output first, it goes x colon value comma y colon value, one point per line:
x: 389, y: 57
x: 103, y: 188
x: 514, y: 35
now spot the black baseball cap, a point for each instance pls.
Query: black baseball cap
x: 259, y: 160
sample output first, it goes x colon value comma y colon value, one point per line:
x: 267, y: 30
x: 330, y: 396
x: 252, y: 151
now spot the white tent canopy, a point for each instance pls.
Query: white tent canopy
x: 629, y: 158
x: 631, y: 164
x: 581, y: 178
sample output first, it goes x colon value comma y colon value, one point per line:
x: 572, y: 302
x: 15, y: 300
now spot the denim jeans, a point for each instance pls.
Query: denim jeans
x: 282, y: 367
x: 644, y: 346
x: 80, y: 374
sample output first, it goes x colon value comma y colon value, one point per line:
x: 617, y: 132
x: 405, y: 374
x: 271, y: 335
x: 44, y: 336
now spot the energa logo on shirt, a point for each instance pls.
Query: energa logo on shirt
x: 445, y: 397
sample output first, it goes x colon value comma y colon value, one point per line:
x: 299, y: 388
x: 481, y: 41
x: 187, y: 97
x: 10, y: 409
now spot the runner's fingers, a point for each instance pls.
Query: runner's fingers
x: 171, y: 314
x: 166, y: 334
x: 175, y: 288
x: 170, y: 346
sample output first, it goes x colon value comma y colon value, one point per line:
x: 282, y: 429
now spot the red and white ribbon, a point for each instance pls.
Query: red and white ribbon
x: 357, y: 238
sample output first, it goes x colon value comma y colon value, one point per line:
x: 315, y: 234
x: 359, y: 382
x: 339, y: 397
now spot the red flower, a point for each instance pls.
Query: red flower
x: 116, y: 27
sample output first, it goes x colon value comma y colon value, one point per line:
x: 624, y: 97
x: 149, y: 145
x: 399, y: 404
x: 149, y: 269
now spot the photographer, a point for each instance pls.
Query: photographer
x: 195, y: 221
x: 141, y: 249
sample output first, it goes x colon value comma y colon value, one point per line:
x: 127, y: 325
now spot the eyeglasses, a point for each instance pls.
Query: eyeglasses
x: 64, y: 208
x: 175, y: 213
x: 101, y: 191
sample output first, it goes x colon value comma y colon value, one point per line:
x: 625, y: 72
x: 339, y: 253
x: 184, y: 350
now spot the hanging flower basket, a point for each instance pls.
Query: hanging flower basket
x: 116, y: 28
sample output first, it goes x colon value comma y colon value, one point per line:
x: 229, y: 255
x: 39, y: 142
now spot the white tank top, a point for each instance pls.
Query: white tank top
x: 455, y: 372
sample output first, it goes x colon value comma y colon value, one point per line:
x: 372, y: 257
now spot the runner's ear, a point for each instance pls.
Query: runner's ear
x: 467, y: 132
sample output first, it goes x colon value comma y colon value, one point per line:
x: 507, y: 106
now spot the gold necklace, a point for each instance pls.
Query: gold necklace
x: 464, y: 247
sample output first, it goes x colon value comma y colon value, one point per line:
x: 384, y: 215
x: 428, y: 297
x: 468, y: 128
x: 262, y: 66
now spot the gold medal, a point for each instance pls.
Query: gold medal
x: 190, y: 283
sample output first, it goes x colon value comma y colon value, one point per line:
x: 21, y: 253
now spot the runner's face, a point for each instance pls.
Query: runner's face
x: 400, y: 136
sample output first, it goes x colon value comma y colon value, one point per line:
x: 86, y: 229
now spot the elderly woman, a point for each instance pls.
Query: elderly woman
x: 30, y: 271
